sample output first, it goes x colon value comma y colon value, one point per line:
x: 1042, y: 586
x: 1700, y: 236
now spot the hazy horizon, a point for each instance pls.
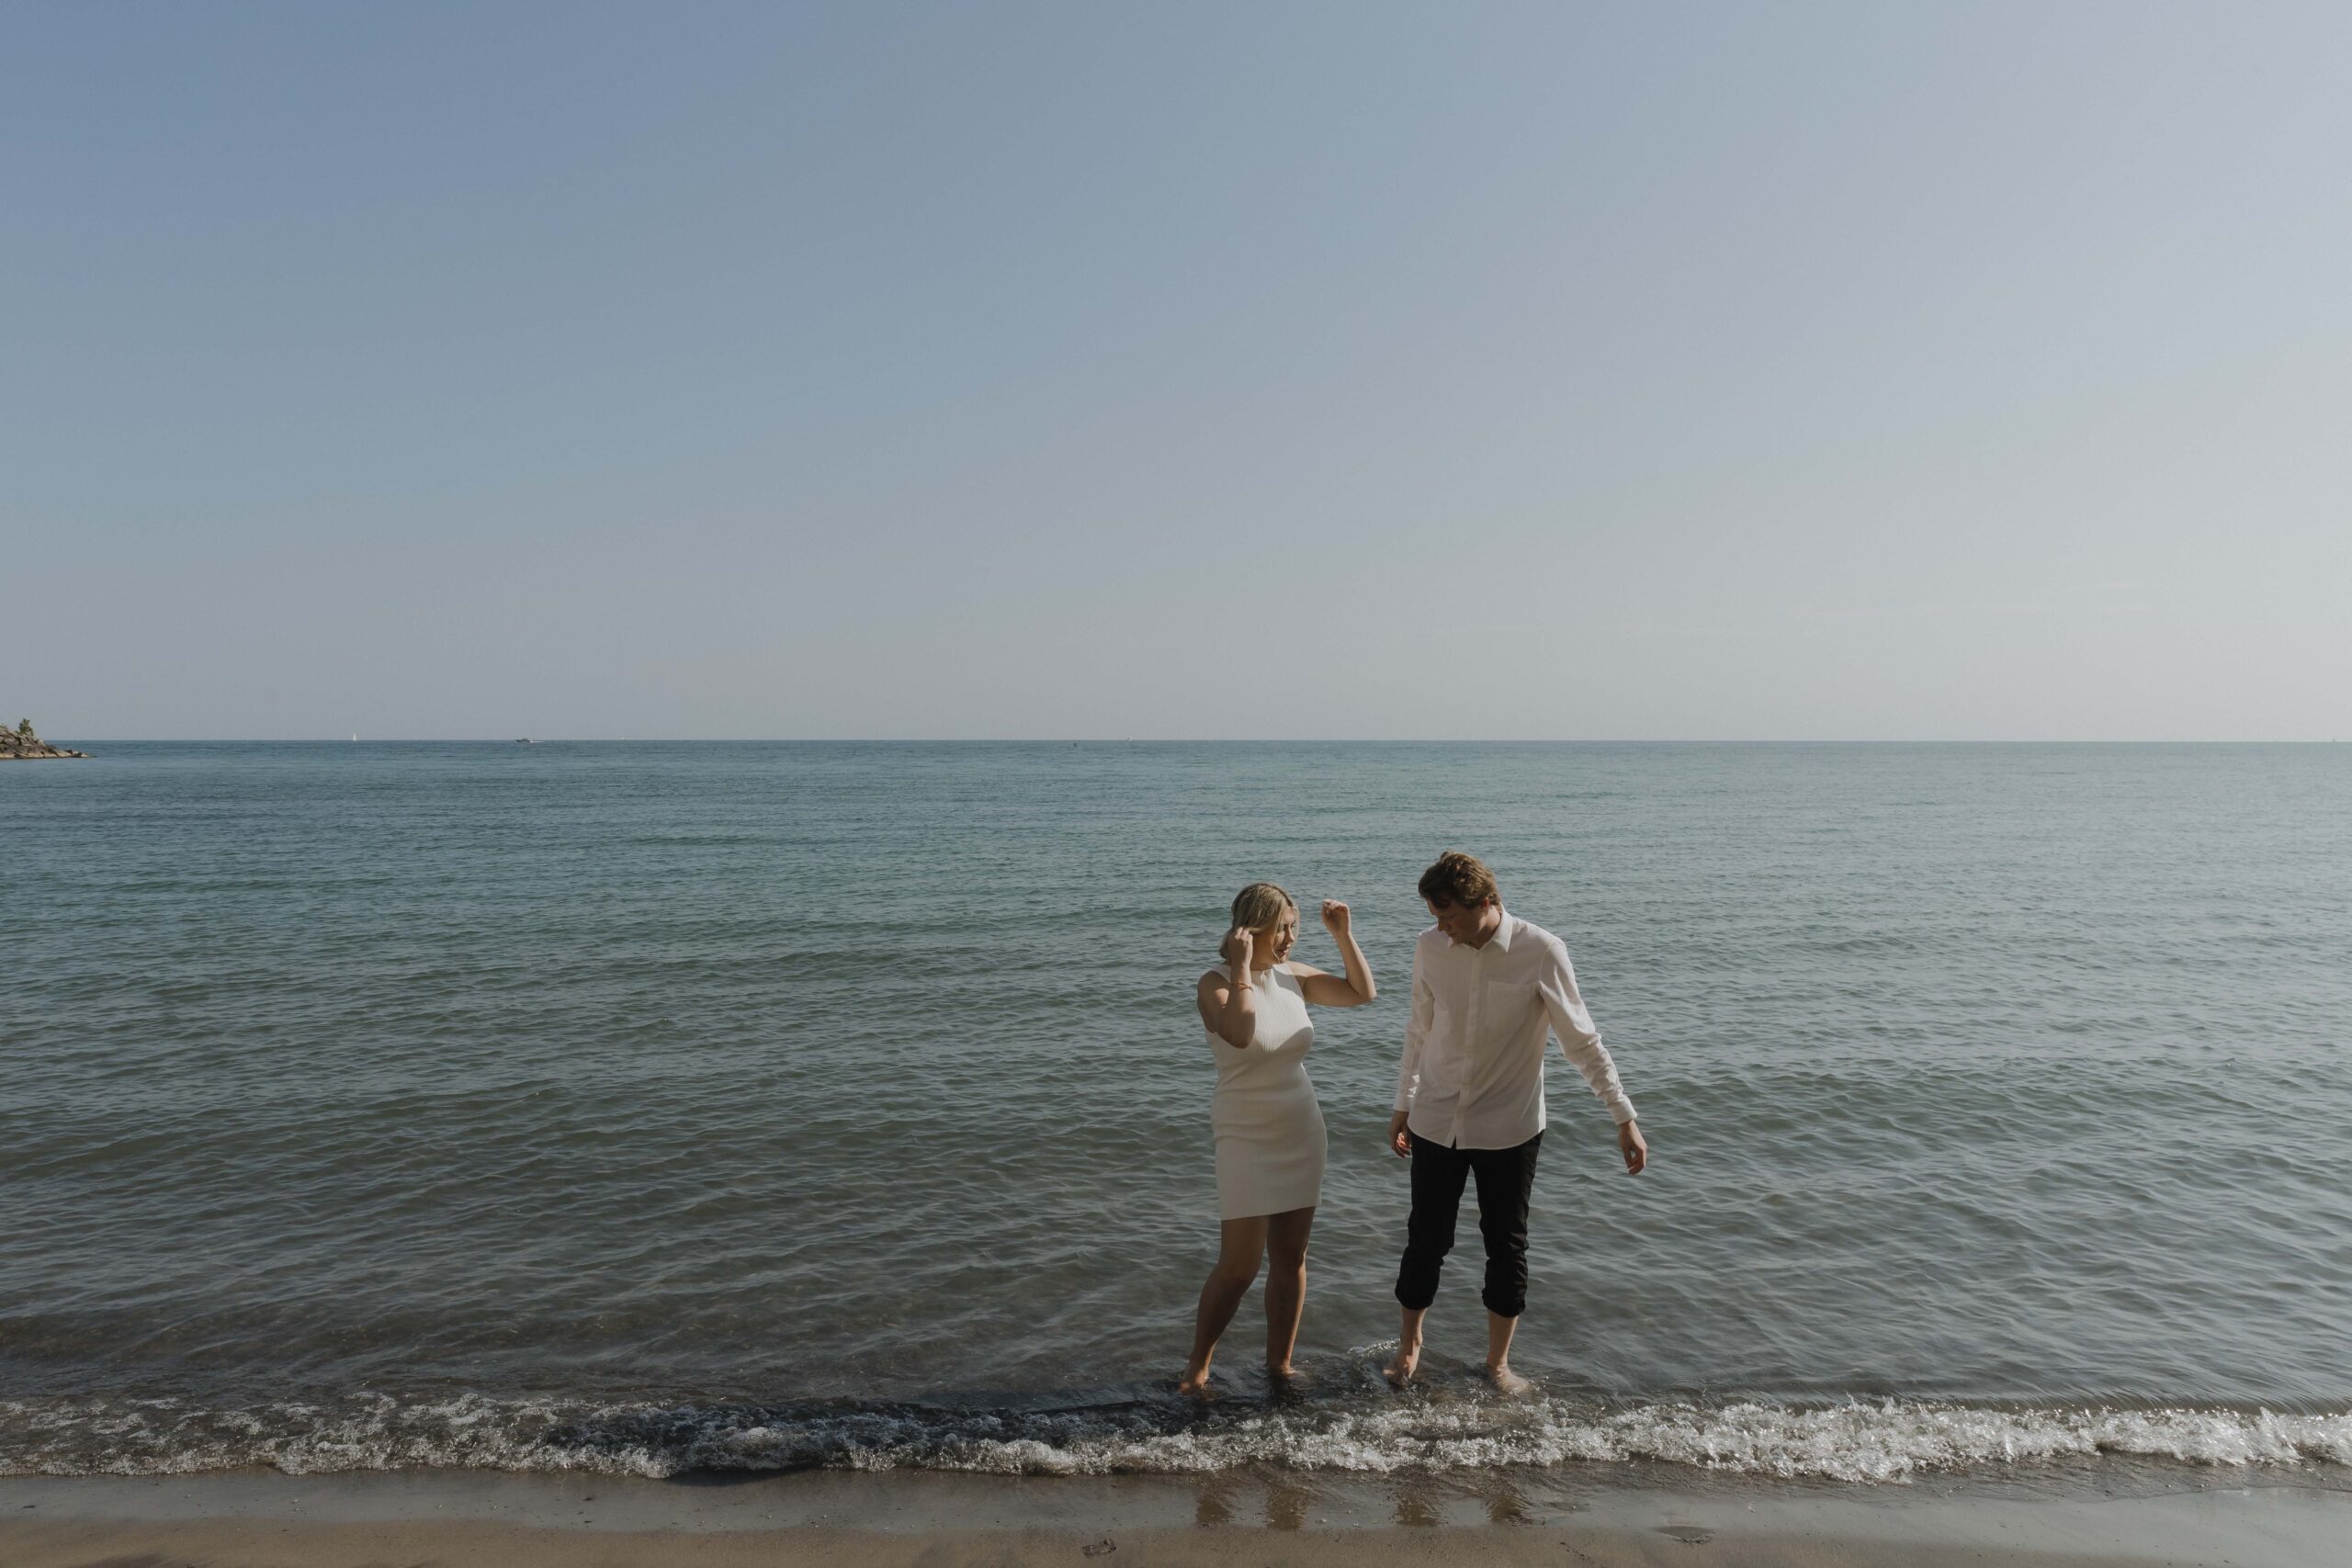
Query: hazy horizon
x: 1822, y: 372
x: 1107, y: 740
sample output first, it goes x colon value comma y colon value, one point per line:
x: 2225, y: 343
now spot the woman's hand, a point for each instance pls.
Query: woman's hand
x: 1333, y: 991
x: 1239, y: 951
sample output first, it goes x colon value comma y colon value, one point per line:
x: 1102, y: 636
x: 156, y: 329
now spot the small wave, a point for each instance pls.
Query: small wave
x: 1889, y: 1440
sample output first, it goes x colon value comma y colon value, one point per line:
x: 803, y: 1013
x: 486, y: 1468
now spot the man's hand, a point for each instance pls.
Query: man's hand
x: 1631, y: 1144
x: 1335, y: 917
x: 1400, y: 1142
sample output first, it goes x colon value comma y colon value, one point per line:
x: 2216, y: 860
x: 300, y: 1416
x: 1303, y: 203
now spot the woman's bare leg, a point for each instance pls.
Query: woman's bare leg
x: 1285, y: 1284
x: 1240, y: 1244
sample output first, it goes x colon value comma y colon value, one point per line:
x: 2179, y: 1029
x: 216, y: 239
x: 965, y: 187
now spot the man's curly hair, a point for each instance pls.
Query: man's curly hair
x: 1460, y: 880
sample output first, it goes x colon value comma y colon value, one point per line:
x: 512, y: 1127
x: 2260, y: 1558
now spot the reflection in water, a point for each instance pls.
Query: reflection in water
x: 1422, y: 1499
x: 1506, y: 1504
x: 1217, y: 1498
x: 1417, y: 1501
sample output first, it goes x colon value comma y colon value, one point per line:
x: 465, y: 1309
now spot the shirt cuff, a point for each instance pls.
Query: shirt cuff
x: 1620, y: 1109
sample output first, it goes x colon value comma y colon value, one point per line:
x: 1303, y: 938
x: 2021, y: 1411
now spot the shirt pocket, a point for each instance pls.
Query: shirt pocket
x: 1508, y: 1005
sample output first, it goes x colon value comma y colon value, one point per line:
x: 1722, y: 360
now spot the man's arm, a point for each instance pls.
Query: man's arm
x: 1408, y: 1071
x: 1580, y: 1043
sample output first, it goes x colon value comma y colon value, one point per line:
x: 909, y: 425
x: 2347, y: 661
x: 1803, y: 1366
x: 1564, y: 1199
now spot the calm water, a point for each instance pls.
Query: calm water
x: 646, y: 1106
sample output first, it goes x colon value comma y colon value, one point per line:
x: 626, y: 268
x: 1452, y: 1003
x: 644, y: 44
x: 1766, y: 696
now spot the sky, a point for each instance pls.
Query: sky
x: 1268, y: 370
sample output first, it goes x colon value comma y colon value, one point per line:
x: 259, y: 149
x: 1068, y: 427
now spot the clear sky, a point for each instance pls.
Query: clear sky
x: 1799, y: 371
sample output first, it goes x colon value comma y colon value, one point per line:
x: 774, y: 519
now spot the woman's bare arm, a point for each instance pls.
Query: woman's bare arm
x: 1229, y: 1003
x: 1333, y: 991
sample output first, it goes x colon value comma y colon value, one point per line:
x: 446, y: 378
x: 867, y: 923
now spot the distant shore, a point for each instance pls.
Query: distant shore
x: 843, y: 1521
x: 22, y: 745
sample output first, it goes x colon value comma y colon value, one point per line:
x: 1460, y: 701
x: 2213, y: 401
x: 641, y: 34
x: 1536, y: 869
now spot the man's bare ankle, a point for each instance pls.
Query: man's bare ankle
x: 1503, y: 1378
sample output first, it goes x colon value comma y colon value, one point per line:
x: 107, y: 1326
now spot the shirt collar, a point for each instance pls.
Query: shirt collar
x: 1499, y: 941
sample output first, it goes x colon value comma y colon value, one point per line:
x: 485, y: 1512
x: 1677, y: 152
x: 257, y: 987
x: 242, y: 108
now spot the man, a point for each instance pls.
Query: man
x: 1488, y: 987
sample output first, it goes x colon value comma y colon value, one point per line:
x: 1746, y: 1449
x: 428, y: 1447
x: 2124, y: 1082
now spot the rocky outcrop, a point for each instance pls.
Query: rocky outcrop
x: 21, y: 744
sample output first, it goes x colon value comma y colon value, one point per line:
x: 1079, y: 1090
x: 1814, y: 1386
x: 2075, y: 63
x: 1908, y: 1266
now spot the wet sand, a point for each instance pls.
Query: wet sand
x: 845, y: 1521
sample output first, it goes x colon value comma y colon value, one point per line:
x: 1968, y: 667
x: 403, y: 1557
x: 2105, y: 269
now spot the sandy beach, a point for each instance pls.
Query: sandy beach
x: 835, y: 1520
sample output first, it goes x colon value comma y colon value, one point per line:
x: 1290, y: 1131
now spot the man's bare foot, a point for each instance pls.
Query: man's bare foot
x: 1399, y: 1372
x: 1505, y: 1381
x: 1194, y: 1383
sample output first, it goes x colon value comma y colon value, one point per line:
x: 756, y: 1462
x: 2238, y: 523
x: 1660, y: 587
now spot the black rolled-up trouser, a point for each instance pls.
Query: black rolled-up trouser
x: 1506, y: 1178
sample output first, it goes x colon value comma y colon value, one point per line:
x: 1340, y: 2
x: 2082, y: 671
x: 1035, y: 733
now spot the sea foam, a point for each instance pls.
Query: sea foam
x: 1887, y: 1440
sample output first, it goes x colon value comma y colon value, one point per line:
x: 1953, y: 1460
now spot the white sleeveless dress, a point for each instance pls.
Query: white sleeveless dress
x: 1270, y: 1141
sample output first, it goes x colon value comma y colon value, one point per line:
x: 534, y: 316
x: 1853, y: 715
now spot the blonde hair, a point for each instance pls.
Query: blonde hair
x: 1260, y: 905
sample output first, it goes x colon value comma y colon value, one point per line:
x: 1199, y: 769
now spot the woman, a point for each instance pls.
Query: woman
x: 1269, y: 1129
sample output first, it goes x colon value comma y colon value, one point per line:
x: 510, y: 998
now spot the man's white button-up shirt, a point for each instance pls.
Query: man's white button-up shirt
x: 1473, y: 1074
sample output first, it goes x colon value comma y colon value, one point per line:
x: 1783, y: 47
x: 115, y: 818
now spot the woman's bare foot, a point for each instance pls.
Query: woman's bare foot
x: 1505, y: 1381
x: 1194, y: 1383
x: 1399, y: 1372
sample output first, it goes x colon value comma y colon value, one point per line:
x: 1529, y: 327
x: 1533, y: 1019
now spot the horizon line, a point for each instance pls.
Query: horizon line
x: 1157, y: 741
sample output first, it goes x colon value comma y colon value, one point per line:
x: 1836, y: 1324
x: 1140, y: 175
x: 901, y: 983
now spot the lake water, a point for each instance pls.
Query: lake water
x: 645, y: 1107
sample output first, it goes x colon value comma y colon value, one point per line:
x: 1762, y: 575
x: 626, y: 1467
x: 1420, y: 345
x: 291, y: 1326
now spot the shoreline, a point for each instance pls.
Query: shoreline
x: 1349, y: 1424
x: 2144, y: 1515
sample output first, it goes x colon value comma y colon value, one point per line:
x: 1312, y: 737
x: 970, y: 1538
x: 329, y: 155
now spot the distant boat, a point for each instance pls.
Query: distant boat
x: 355, y: 737
x: 521, y: 740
